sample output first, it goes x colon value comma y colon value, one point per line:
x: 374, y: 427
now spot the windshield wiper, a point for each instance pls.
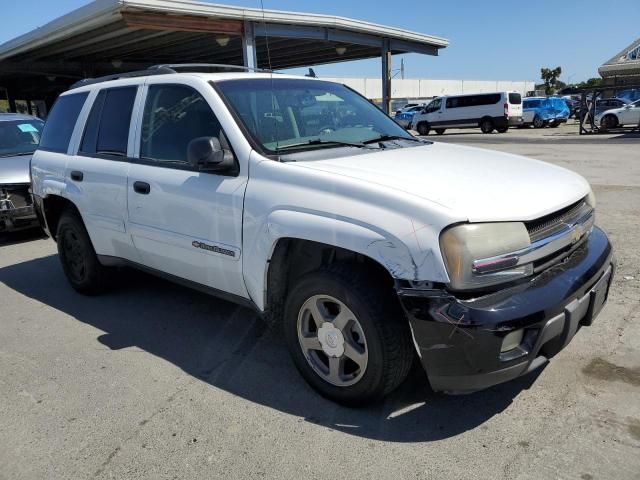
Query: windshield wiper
x: 385, y: 138
x: 319, y: 141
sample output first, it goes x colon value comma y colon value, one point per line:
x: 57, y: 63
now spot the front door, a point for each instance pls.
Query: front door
x: 184, y: 222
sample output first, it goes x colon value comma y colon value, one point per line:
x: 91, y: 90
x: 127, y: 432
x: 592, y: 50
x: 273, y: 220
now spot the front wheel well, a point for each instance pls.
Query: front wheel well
x: 292, y: 258
x: 53, y: 206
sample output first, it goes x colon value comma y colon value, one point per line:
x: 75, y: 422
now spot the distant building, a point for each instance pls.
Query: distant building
x: 623, y: 68
x: 420, y: 90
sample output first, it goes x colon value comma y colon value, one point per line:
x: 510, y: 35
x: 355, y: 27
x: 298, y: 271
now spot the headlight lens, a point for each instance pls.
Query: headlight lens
x: 461, y: 245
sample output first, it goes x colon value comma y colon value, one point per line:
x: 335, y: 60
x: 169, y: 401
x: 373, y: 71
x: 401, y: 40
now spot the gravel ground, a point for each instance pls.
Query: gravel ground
x: 156, y: 381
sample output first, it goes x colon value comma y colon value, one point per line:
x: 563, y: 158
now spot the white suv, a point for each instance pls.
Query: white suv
x: 302, y: 200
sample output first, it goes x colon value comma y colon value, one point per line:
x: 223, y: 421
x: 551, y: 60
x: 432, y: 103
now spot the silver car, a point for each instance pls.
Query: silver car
x: 19, y: 137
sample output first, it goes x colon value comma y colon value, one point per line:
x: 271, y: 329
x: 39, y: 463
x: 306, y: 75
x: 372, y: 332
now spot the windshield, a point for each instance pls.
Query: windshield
x: 19, y: 137
x: 286, y: 114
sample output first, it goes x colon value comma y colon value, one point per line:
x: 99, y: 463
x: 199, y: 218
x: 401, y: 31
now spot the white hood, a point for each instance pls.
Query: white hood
x: 14, y: 170
x: 480, y: 185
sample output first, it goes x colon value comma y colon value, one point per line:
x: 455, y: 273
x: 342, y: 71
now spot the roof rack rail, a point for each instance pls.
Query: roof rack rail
x: 198, y: 67
x: 138, y: 73
x: 168, y: 69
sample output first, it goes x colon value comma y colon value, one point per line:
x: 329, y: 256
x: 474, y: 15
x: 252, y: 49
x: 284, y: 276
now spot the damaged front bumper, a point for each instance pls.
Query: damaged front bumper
x: 461, y: 341
x: 16, y: 209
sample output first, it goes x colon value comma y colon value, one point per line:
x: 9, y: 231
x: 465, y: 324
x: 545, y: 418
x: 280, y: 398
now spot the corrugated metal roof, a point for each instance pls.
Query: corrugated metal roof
x: 623, y: 63
x: 111, y: 36
x: 102, y: 12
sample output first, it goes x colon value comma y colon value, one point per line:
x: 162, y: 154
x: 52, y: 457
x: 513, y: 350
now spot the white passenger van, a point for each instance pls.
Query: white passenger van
x: 489, y: 111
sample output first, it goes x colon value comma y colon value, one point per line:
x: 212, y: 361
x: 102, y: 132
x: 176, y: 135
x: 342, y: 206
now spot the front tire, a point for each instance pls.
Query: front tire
x: 347, y: 335
x: 440, y: 131
x: 502, y: 129
x: 79, y: 260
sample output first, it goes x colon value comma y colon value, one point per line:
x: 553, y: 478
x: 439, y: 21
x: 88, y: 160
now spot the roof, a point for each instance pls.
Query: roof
x: 101, y: 12
x: 108, y: 36
x: 209, y: 77
x: 626, y: 62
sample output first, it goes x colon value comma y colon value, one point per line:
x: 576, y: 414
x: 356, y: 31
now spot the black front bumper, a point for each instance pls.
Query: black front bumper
x: 14, y: 219
x: 459, y: 340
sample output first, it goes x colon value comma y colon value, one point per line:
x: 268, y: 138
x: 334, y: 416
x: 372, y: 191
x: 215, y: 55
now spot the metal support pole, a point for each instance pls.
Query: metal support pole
x: 249, y: 46
x: 386, y: 77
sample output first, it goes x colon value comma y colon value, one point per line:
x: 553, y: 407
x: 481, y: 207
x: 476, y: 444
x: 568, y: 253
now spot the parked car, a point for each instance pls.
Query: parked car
x: 489, y: 111
x: 619, y: 117
x: 404, y: 116
x: 544, y: 111
x: 629, y: 96
x: 603, y: 104
x: 407, y: 106
x: 19, y: 137
x: 367, y: 246
x: 574, y: 104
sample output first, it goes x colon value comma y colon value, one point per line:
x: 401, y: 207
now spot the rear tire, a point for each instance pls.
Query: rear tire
x: 423, y: 128
x: 608, y: 121
x: 486, y: 125
x: 538, y: 122
x: 79, y: 260
x: 347, y: 335
x: 440, y: 131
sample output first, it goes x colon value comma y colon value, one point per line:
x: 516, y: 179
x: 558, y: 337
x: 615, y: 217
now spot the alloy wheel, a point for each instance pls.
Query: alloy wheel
x: 332, y: 340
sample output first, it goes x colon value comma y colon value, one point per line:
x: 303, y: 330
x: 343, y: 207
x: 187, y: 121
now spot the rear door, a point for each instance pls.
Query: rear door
x: 184, y: 222
x: 514, y: 101
x: 97, y: 173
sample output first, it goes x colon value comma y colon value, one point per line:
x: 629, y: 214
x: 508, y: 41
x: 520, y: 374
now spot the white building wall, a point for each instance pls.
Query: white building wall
x: 423, y: 88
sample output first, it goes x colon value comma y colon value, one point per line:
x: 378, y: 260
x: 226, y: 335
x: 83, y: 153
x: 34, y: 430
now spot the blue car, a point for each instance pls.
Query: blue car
x: 544, y: 111
x: 404, y: 117
x: 629, y: 96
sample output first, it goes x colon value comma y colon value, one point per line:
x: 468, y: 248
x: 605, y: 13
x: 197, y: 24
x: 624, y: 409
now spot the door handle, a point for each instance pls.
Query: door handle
x: 77, y: 176
x: 142, y: 188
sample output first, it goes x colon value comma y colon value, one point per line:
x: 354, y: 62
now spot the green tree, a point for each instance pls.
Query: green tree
x: 550, y: 78
x: 592, y: 82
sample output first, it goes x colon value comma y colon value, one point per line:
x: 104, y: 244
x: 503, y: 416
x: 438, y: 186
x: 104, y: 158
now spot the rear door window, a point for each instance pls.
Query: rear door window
x: 107, y: 128
x: 515, y: 98
x: 61, y: 122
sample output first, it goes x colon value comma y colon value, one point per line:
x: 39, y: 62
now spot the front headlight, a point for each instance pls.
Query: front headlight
x: 464, y: 245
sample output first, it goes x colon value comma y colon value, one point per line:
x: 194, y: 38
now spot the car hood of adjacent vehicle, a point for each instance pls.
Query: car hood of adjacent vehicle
x: 480, y: 185
x: 14, y: 170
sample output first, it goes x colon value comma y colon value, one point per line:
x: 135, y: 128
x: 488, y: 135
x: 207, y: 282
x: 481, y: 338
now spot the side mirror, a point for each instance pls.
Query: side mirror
x: 206, y: 154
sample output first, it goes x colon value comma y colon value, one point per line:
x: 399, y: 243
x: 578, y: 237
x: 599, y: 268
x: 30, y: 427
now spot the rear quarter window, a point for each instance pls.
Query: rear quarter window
x: 515, y: 98
x: 61, y: 121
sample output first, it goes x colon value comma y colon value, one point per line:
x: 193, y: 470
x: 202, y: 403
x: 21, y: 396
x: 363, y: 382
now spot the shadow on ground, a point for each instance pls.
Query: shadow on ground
x: 22, y: 236
x: 230, y: 348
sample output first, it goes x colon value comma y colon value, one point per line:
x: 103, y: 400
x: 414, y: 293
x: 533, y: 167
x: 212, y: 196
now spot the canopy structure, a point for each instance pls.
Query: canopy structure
x: 108, y: 36
x: 624, y: 67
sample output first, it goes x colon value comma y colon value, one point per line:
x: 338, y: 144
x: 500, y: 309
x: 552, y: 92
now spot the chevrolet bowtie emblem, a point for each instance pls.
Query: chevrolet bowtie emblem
x: 577, y: 233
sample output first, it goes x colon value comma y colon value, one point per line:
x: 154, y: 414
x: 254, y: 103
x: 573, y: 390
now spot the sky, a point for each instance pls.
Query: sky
x: 489, y: 40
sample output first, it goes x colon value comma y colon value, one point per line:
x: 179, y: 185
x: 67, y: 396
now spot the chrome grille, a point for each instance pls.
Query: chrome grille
x: 550, y: 224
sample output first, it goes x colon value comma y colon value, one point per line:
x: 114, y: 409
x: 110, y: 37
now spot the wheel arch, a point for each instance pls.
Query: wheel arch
x: 294, y: 257
x: 52, y: 208
x: 302, y: 237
